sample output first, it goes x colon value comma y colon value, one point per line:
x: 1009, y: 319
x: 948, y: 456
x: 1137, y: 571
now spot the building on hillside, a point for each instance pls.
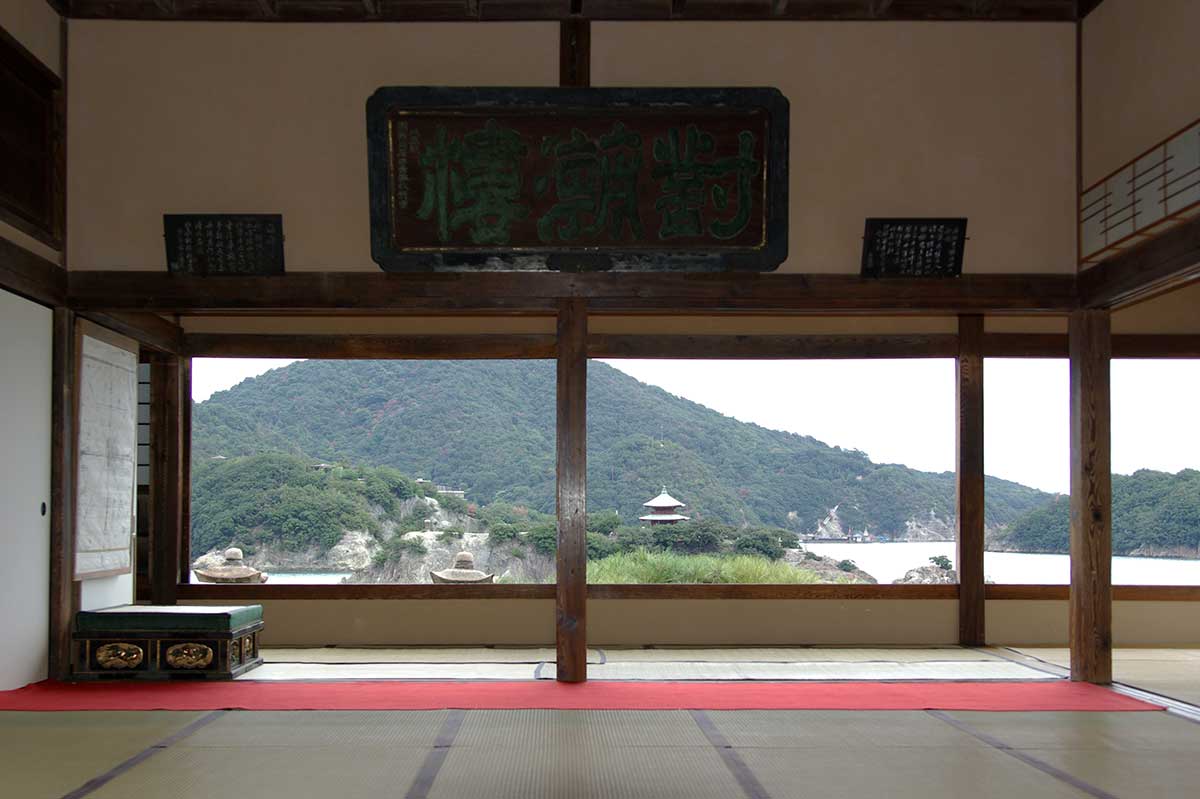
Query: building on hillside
x: 664, y: 509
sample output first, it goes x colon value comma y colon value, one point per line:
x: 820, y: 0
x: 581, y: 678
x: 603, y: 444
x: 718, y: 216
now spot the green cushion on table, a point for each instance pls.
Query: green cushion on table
x: 164, y: 618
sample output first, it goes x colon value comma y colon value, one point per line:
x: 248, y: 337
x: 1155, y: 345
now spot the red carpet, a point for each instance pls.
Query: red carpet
x: 398, y: 695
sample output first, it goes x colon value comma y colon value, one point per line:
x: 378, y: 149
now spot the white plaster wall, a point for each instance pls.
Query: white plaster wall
x: 26, y: 334
x: 106, y: 592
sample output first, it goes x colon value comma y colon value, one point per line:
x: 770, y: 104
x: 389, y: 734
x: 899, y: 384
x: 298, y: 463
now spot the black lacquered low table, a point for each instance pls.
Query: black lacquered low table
x: 167, y: 642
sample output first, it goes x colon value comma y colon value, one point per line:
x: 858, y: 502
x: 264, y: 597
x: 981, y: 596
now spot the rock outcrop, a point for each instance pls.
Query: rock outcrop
x: 826, y: 569
x: 928, y: 575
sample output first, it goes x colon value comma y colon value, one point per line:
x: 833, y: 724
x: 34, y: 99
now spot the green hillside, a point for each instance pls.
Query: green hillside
x: 488, y: 427
x: 1153, y: 513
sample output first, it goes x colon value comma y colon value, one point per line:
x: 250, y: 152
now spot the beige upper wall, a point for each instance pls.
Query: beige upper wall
x: 1141, y: 79
x: 35, y: 25
x: 1173, y: 313
x: 888, y: 119
x: 254, y: 118
x: 894, y: 119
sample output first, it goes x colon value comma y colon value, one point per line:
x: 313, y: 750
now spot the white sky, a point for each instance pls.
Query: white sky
x: 902, y: 411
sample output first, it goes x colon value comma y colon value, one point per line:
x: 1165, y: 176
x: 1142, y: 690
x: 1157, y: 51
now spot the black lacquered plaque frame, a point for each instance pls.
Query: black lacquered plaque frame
x: 224, y: 244
x: 397, y: 167
x: 914, y: 247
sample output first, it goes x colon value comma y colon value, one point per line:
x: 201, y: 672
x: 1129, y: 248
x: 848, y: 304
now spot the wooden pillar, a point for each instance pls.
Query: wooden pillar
x: 1091, y: 497
x: 185, y: 468
x: 64, y: 591
x: 166, y: 477
x: 970, y: 491
x: 571, y: 594
x: 575, y: 53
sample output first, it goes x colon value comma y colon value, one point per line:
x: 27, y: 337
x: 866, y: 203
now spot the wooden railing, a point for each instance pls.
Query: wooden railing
x: 1153, y: 192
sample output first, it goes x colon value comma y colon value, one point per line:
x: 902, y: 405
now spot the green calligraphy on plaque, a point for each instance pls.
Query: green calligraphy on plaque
x: 474, y: 181
x: 685, y: 169
x: 595, y: 183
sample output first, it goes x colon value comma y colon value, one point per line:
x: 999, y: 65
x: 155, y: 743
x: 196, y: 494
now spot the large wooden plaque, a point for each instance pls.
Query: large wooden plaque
x: 578, y: 179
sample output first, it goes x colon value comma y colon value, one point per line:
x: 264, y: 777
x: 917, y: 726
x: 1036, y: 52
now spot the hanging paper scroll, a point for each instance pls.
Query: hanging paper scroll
x: 106, y: 456
x: 578, y: 179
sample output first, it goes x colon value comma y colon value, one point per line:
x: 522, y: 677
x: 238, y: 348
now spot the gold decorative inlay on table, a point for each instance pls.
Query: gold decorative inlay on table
x: 235, y: 651
x: 247, y: 647
x: 119, y: 656
x: 189, y: 656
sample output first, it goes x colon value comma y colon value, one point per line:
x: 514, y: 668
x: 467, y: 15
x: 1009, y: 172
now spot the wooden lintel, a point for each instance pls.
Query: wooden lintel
x: 932, y: 345
x: 31, y: 276
x: 476, y: 10
x: 1054, y: 345
x: 350, y: 347
x: 518, y: 293
x: 570, y: 605
x: 969, y: 494
x: 62, y: 600
x: 268, y: 9
x: 1091, y: 497
x: 148, y: 330
x: 1161, y: 264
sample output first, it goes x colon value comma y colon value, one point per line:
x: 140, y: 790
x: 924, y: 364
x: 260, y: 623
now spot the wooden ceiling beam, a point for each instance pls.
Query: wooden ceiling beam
x: 147, y: 329
x: 538, y: 293
x: 1162, y: 264
x: 496, y: 10
x: 30, y: 275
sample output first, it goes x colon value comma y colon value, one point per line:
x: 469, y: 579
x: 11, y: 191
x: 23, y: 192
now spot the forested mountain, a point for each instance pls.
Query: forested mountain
x: 488, y: 427
x: 1154, y: 514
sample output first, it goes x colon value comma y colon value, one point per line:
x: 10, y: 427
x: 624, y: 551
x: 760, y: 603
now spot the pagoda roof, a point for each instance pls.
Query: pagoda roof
x: 663, y: 500
x: 663, y: 517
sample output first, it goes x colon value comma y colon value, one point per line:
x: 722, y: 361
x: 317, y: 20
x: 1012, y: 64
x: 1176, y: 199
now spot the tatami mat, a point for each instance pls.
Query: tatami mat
x: 50, y: 754
x: 1173, y: 673
x: 550, y: 754
x: 1137, y: 775
x: 341, y: 654
x: 896, y: 773
x: 392, y: 671
x: 825, y: 729
x: 968, y: 670
x: 793, y: 655
x: 562, y: 772
x: 1104, y: 731
x: 379, y: 728
x: 267, y: 772
x: 578, y: 730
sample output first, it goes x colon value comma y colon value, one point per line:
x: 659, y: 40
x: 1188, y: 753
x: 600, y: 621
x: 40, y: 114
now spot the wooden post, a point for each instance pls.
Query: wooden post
x: 1091, y: 497
x: 63, y: 591
x: 575, y: 53
x: 166, y: 475
x: 185, y: 469
x: 970, y: 491
x: 571, y: 593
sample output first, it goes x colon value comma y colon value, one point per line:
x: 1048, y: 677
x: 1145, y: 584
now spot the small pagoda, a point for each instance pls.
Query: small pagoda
x: 664, y: 509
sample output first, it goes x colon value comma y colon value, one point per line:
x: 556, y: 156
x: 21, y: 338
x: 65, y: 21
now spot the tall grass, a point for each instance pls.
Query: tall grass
x: 642, y: 566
